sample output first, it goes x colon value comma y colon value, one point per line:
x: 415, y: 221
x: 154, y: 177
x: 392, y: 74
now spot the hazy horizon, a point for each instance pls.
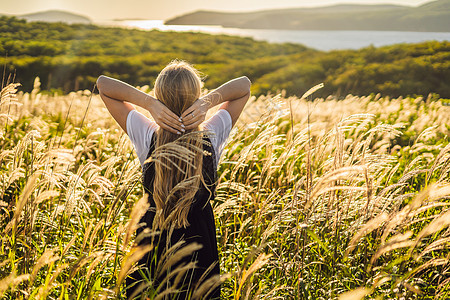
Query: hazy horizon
x: 141, y: 9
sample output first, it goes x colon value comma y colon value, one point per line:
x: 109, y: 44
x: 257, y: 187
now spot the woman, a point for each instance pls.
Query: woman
x: 179, y: 189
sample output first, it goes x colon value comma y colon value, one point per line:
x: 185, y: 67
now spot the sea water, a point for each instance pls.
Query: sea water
x: 317, y: 39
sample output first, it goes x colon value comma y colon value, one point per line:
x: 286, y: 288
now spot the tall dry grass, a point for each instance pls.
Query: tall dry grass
x: 316, y: 199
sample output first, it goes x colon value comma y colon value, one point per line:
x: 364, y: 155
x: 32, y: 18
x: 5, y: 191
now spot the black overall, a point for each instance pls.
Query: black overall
x: 201, y: 230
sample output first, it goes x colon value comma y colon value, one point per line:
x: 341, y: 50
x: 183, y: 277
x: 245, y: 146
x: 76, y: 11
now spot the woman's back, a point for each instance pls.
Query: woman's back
x: 201, y: 229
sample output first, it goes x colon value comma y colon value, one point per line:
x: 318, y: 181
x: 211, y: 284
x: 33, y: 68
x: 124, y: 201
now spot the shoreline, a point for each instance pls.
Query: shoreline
x: 323, y: 40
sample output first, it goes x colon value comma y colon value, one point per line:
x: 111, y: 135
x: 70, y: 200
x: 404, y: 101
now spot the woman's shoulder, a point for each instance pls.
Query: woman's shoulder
x: 140, y: 129
x: 221, y: 121
x: 219, y: 126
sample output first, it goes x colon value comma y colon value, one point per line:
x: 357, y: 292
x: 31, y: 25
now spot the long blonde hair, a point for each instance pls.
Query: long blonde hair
x: 177, y: 179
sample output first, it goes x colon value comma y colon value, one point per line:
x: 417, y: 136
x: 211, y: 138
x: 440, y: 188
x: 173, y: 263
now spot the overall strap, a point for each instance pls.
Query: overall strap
x: 148, y: 170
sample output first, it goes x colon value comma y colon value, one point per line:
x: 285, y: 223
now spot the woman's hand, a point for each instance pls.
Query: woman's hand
x: 164, y: 117
x: 195, y: 115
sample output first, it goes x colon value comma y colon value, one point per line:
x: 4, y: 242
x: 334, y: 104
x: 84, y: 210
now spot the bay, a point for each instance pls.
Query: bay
x: 317, y: 39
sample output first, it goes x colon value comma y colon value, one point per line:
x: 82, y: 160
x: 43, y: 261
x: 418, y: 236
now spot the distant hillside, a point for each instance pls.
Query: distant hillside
x: 71, y: 57
x: 56, y: 16
x: 430, y: 17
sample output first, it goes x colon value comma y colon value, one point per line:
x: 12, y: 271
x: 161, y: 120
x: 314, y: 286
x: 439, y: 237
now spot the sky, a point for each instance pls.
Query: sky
x: 165, y: 9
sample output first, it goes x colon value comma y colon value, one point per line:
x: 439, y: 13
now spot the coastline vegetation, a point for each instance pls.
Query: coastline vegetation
x: 71, y: 57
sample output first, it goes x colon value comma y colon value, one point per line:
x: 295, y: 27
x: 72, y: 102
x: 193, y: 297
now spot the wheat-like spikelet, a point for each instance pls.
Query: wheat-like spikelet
x: 46, y: 288
x: 46, y: 258
x: 24, y: 197
x: 396, y: 242
x: 373, y: 224
x: 435, y: 246
x: 137, y: 212
x: 437, y: 224
x: 135, y: 255
x: 355, y: 294
x: 12, y: 281
x: 175, y: 254
x: 260, y: 261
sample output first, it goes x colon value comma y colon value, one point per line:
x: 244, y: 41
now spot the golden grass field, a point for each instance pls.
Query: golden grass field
x: 316, y: 199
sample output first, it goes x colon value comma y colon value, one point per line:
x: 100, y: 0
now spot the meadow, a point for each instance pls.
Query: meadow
x: 316, y: 199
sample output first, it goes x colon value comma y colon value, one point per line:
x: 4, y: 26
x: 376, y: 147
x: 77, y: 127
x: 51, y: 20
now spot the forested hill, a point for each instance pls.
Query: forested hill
x: 431, y: 17
x: 71, y: 57
x: 54, y: 16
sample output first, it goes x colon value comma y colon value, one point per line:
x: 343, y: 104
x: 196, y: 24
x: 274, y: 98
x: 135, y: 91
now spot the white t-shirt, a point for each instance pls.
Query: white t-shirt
x: 140, y: 130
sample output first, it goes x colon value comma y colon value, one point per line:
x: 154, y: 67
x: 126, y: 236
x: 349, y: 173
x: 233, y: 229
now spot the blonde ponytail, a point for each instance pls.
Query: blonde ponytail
x: 177, y: 177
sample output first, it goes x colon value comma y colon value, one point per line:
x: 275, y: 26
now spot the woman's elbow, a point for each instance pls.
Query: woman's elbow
x: 246, y: 83
x: 100, y: 81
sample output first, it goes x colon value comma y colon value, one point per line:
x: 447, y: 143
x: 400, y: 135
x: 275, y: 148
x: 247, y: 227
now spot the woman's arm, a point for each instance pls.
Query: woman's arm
x: 117, y: 96
x: 233, y: 96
